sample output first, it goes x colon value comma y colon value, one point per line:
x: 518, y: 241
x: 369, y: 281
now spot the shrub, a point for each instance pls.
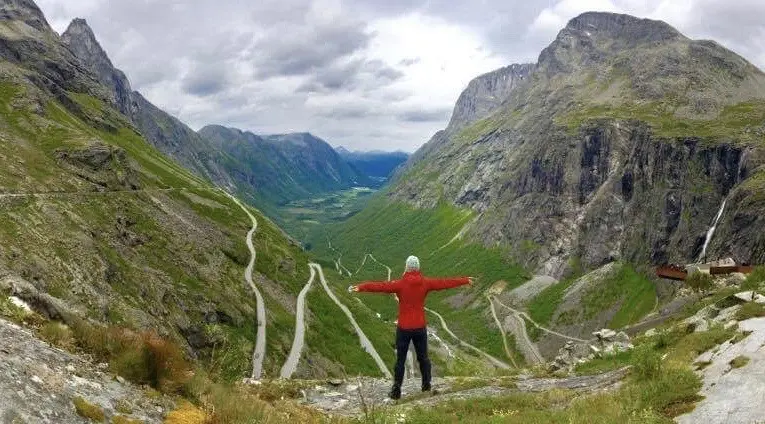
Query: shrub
x: 700, y: 282
x: 646, y: 362
x: 88, y: 410
x: 57, y: 334
x: 143, y: 358
x: 739, y: 361
x: 10, y: 311
x: 755, y: 279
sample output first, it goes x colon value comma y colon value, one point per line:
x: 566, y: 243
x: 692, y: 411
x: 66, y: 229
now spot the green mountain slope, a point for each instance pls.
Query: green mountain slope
x: 283, y: 168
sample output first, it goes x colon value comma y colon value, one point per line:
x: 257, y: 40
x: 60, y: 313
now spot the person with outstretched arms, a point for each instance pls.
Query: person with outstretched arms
x: 411, y: 290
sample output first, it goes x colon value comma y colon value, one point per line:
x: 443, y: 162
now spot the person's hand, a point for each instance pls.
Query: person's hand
x: 471, y: 281
x: 353, y: 289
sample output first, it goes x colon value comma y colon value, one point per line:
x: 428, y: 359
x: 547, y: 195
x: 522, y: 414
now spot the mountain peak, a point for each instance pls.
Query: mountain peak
x: 81, y: 39
x: 23, y: 10
x: 627, y: 27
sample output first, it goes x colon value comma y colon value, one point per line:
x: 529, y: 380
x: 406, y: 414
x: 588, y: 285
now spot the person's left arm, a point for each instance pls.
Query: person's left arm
x: 446, y: 283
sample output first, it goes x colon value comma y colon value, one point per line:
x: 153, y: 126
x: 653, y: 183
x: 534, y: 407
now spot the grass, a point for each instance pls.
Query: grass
x: 88, y: 410
x: 750, y: 310
x: 542, y: 308
x: 10, y: 311
x: 755, y: 279
x: 627, y: 288
x: 121, y: 419
x: 700, y: 282
x: 735, y: 122
x: 143, y: 358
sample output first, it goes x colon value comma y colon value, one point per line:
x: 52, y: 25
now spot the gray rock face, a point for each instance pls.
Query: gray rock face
x: 487, y: 92
x: 38, y: 384
x: 164, y: 131
x: 733, y: 395
x: 25, y: 11
x: 81, y: 40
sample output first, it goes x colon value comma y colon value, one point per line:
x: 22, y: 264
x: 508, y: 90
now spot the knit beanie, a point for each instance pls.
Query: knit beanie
x: 412, y: 264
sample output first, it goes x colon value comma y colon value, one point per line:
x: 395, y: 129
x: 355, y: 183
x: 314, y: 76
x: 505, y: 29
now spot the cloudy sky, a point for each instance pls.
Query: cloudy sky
x: 365, y: 74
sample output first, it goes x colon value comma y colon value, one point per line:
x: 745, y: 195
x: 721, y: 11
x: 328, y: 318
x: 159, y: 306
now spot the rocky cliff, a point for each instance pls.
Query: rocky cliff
x: 620, y: 142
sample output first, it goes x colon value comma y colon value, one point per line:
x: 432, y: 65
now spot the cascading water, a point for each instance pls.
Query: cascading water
x: 711, y: 231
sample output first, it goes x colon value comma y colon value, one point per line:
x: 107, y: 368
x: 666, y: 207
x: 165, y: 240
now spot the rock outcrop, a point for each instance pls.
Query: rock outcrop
x: 40, y: 383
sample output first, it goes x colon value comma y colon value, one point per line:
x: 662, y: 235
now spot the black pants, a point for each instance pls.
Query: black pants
x: 419, y: 337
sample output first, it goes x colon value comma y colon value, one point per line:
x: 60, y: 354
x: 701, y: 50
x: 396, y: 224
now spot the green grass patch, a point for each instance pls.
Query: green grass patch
x: 542, y: 308
x: 631, y: 290
x: 736, y: 122
x: 88, y: 410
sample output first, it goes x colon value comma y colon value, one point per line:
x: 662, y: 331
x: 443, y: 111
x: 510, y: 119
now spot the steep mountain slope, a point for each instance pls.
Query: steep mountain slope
x: 165, y: 132
x: 99, y: 225
x: 284, y: 167
x: 621, y: 142
x: 377, y: 165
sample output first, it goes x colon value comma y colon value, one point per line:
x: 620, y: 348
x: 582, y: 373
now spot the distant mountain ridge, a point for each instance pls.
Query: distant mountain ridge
x: 376, y: 164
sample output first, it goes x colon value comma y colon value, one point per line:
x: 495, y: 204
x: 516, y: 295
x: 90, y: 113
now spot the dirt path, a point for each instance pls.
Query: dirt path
x: 260, y: 339
x: 290, y: 365
x: 354, y: 396
x: 521, y: 314
x: 365, y: 343
x: 502, y: 331
x: 85, y: 193
x: 493, y: 360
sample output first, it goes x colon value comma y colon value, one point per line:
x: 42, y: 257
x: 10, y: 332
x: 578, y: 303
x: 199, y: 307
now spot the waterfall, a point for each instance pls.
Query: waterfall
x: 711, y: 231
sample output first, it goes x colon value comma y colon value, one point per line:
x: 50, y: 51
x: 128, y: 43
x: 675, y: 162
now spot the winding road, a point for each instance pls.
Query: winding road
x: 290, y: 365
x: 493, y: 360
x: 260, y: 339
x: 365, y: 343
x: 521, y: 314
x: 502, y: 331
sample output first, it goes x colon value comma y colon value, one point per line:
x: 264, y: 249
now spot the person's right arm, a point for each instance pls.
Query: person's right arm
x: 379, y: 287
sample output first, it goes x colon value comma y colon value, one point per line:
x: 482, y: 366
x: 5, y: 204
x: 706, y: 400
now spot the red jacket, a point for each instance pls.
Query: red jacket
x: 412, y: 289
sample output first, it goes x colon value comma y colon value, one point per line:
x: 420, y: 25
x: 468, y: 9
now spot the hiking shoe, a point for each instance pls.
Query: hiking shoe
x: 395, y: 393
x: 426, y: 387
